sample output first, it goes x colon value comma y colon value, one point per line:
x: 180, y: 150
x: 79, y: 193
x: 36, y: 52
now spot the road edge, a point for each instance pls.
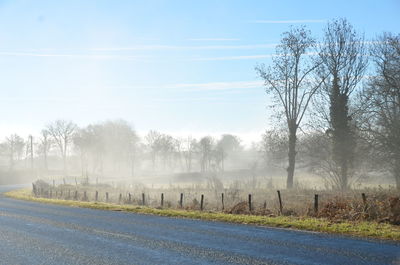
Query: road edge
x: 362, y: 229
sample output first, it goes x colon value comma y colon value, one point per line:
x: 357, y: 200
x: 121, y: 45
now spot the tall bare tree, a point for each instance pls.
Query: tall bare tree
x: 291, y: 80
x: 344, y: 60
x: 62, y: 131
x: 381, y: 102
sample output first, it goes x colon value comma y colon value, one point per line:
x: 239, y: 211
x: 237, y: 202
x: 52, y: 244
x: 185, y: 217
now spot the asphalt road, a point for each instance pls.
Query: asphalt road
x: 34, y: 233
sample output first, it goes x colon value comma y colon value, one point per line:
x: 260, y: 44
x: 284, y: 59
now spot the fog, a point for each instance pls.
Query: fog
x: 113, y: 153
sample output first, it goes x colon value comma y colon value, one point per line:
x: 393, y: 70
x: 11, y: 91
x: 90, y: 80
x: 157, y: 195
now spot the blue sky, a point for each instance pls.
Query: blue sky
x: 182, y: 67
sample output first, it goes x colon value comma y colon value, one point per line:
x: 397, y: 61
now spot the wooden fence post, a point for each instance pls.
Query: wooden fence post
x: 316, y: 203
x: 96, y: 196
x: 129, y: 198
x: 181, y: 201
x: 280, y: 202
x: 143, y: 199
x: 364, y: 198
x: 85, y: 198
x: 250, y: 203
x: 106, y: 196
x: 76, y: 195
x: 222, y: 199
x: 201, y: 202
x: 162, y: 199
x: 120, y: 198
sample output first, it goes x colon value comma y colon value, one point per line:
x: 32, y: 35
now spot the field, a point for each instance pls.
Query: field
x: 361, y: 204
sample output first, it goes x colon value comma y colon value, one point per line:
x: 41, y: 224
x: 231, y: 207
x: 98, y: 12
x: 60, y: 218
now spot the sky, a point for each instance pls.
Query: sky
x: 180, y: 67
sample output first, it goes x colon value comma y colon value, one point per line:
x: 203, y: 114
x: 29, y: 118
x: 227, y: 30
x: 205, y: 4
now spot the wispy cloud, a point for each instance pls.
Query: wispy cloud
x: 214, y: 39
x: 87, y: 56
x: 298, y: 21
x: 230, y: 58
x: 178, y: 47
x: 100, y: 53
x: 30, y: 99
x: 215, y: 86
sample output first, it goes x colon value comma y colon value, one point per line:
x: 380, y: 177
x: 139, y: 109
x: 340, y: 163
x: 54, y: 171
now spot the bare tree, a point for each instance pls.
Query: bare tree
x: 152, y: 139
x: 344, y: 60
x: 273, y: 148
x: 14, y: 146
x: 44, y: 147
x: 381, y: 103
x: 190, y: 146
x: 206, y: 145
x: 291, y: 81
x: 225, y: 146
x: 62, y: 131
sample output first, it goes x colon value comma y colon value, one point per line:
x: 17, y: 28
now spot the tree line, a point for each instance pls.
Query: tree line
x: 115, y: 147
x: 341, y: 96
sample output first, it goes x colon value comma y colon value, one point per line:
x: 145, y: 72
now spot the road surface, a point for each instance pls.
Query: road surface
x: 34, y: 233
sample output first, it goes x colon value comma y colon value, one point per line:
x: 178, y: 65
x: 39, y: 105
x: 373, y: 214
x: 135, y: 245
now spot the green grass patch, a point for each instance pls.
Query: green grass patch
x: 360, y: 229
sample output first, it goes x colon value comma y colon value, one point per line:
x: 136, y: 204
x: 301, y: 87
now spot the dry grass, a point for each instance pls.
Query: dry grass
x: 357, y: 228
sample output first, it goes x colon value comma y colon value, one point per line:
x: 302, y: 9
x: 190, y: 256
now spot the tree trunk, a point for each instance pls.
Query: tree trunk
x: 396, y: 174
x: 343, y: 142
x: 45, y: 160
x: 344, y: 179
x: 222, y: 161
x: 291, y: 155
x: 133, y: 166
x: 65, y: 164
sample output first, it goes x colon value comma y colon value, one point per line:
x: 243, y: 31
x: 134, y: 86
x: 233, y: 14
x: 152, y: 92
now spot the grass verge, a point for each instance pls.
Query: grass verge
x: 360, y: 229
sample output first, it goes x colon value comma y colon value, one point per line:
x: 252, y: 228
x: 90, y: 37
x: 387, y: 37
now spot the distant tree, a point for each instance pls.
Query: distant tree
x: 177, y: 152
x: 344, y: 60
x: 190, y: 147
x: 44, y: 146
x: 274, y: 146
x: 92, y: 144
x: 225, y: 146
x: 134, y: 151
x: 120, y: 142
x: 291, y: 81
x: 113, y: 141
x: 206, y: 145
x: 61, y: 132
x: 166, y: 145
x: 14, y: 146
x: 152, y: 141
x: 83, y: 141
x: 381, y: 104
